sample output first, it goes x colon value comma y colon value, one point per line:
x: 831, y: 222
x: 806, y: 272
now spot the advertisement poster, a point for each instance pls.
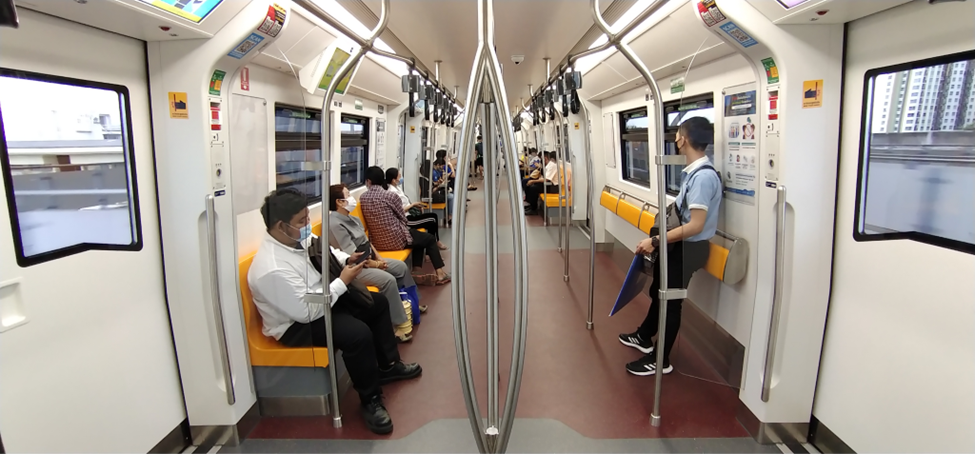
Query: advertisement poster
x: 338, y: 59
x: 740, y: 170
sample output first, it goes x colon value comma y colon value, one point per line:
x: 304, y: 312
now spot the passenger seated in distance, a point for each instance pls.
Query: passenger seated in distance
x: 535, y: 187
x: 383, y: 213
x: 534, y: 168
x: 346, y: 234
x: 415, y: 218
x: 697, y: 206
x: 280, y: 276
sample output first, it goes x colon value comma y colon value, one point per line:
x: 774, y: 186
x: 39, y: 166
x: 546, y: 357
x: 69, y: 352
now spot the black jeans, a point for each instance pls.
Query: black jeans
x: 425, y: 243
x: 364, y: 335
x: 683, y: 260
x: 534, y: 191
x: 427, y: 221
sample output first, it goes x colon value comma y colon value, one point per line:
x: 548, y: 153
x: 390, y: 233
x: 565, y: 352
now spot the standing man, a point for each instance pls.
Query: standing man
x: 479, y: 158
x: 697, y: 205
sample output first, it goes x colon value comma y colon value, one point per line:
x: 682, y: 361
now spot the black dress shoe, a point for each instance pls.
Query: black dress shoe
x: 376, y: 417
x: 399, y: 371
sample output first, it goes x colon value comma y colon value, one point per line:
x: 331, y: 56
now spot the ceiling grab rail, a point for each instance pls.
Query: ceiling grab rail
x: 325, y: 166
x: 486, y: 85
x: 661, y: 161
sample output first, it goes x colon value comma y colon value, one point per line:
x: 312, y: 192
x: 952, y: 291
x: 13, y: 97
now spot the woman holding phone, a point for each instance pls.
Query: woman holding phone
x: 347, y: 234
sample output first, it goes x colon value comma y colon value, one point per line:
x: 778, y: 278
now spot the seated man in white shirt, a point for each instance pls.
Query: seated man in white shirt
x: 546, y: 183
x: 280, y: 276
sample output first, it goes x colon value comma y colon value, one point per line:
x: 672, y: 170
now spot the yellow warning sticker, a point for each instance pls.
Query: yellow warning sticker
x: 177, y: 105
x: 412, y: 129
x: 577, y: 126
x: 812, y: 94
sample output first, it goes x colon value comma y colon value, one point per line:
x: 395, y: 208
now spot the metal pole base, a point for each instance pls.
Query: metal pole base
x: 560, y: 250
x: 565, y: 278
x: 337, y: 422
x: 655, y: 420
x: 589, y: 326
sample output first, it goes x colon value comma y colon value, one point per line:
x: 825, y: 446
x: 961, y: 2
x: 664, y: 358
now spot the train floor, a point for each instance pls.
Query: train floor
x: 575, y: 396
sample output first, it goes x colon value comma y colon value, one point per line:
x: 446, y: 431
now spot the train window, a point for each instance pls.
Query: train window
x: 677, y: 112
x: 68, y: 166
x: 916, y: 177
x: 635, y: 146
x: 355, y: 150
x: 297, y: 139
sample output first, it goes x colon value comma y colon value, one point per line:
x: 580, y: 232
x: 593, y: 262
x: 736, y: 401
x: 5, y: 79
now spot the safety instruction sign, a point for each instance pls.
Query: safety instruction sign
x: 812, y: 94
x: 216, y: 82
x: 771, y: 71
x: 245, y: 46
x: 245, y: 79
x: 739, y: 35
x: 740, y: 173
x: 577, y: 125
x: 412, y: 129
x: 710, y: 13
x: 177, y: 105
x: 273, y: 21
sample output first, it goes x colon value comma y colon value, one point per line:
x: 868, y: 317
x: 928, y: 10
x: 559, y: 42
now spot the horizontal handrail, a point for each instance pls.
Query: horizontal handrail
x: 645, y: 204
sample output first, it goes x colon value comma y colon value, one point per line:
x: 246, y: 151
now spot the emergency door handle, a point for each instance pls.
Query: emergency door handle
x: 215, y: 300
x: 777, y: 278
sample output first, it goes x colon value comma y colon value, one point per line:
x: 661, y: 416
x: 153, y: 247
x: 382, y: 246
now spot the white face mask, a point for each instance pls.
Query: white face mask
x: 350, y: 203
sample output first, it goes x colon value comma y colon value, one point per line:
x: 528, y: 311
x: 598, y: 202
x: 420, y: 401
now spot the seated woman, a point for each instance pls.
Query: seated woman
x: 415, y: 218
x: 345, y: 233
x: 383, y: 212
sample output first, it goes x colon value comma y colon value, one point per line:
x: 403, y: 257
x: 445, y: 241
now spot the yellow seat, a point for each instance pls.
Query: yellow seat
x: 552, y: 200
x: 629, y: 212
x: 716, y: 261
x: 646, y: 221
x: 609, y: 201
x: 266, y: 351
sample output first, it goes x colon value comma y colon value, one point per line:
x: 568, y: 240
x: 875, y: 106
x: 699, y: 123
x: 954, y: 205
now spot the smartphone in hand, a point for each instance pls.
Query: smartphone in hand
x: 366, y: 250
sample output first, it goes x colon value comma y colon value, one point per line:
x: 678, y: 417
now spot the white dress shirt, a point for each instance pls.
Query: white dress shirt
x: 552, y: 172
x: 402, y: 195
x: 279, y: 278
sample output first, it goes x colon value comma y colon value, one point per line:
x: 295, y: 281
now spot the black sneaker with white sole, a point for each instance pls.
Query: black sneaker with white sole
x: 647, y: 366
x: 634, y: 340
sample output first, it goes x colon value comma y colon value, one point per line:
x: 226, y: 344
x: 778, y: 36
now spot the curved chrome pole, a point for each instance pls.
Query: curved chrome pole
x: 658, y: 142
x: 353, y: 60
x: 457, y: 294
x: 590, y: 195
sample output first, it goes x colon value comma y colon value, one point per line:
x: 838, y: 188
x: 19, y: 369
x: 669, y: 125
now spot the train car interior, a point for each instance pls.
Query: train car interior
x: 552, y: 226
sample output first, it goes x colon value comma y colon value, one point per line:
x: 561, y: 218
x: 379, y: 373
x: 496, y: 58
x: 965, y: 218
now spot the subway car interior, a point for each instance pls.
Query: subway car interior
x: 552, y: 226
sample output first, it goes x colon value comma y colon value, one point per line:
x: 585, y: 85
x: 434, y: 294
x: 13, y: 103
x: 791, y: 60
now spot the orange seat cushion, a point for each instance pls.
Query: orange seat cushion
x: 266, y: 351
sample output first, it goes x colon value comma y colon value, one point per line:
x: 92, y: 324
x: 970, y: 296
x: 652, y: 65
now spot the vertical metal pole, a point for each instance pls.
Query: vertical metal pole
x: 491, y: 245
x: 326, y: 182
x: 662, y: 261
x: 590, y: 195
x: 564, y: 211
x: 458, y: 288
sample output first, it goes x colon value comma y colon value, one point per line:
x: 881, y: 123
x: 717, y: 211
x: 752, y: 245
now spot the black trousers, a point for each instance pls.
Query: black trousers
x: 364, y: 335
x: 683, y: 260
x: 429, y: 221
x: 532, y: 193
x: 425, y: 243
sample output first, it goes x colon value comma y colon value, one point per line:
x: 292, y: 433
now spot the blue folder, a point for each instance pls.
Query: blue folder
x: 635, y: 282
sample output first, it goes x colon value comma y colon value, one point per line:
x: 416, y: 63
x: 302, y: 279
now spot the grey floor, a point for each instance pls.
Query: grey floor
x: 528, y: 436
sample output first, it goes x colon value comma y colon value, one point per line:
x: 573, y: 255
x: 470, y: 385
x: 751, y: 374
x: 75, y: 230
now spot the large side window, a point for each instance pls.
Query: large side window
x: 676, y: 113
x: 916, y: 176
x: 355, y: 150
x: 635, y: 146
x: 68, y: 166
x: 297, y: 139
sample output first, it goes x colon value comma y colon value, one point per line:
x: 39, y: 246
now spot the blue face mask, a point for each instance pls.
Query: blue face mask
x: 303, y: 233
x: 401, y: 181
